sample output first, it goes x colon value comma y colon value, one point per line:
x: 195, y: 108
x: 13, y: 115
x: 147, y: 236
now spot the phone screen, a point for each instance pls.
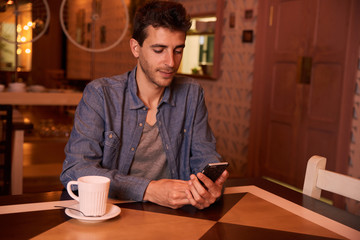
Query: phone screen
x: 214, y: 170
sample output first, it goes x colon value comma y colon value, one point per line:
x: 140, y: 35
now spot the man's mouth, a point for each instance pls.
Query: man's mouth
x: 166, y: 73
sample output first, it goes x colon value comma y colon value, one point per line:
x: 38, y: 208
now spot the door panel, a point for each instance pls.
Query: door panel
x: 322, y: 143
x: 327, y: 44
x: 290, y: 25
x: 291, y: 122
x: 285, y: 44
x: 284, y: 88
x: 278, y: 149
x: 325, y: 95
x: 301, y: 118
x: 332, y: 23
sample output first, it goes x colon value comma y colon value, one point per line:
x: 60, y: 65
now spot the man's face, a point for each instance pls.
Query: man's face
x: 160, y: 55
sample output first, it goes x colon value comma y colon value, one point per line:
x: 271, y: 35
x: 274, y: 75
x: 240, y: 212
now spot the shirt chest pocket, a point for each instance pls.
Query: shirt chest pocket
x: 111, y: 150
x: 111, y: 140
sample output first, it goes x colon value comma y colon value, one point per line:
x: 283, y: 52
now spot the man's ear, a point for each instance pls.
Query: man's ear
x: 135, y: 47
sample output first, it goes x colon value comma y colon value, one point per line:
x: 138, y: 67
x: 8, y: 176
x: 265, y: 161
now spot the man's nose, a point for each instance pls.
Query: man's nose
x: 170, y: 59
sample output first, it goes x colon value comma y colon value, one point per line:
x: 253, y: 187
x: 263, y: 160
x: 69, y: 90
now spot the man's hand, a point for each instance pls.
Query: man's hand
x: 201, y: 198
x: 167, y: 192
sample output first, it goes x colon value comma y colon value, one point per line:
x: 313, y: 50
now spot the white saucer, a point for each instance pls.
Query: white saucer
x: 111, y: 212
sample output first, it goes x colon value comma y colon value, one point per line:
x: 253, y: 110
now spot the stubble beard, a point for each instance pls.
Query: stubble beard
x: 151, y: 75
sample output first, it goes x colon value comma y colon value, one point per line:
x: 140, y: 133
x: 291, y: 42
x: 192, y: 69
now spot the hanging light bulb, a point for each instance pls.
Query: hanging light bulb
x: 27, y: 51
x: 23, y: 39
x: 18, y: 51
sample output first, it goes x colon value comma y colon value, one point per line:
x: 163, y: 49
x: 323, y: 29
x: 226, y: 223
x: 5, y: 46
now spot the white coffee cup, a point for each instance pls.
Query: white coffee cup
x: 93, y: 194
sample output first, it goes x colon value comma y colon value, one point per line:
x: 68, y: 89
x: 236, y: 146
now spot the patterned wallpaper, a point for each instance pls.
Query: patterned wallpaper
x: 229, y: 97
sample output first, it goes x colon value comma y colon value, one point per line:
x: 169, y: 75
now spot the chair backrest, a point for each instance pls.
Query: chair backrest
x: 317, y: 179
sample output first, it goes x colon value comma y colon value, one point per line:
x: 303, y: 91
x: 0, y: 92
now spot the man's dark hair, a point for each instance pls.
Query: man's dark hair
x: 170, y: 15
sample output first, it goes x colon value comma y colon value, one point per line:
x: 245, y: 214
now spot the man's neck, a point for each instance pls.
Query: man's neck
x: 148, y: 92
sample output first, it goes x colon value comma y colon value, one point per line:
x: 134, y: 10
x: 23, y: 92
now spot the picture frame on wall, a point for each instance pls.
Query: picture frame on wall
x: 248, y: 14
x: 247, y: 36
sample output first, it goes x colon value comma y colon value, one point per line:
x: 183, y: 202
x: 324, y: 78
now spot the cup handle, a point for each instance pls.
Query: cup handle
x: 70, y: 192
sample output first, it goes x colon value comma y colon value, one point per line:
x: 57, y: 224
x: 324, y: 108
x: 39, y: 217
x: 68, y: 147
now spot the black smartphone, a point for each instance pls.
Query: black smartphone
x: 214, y: 170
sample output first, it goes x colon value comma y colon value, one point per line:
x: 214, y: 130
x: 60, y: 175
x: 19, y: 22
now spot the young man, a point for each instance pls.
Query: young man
x: 147, y: 130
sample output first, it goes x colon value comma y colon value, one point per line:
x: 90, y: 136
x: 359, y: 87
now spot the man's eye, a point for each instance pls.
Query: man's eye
x: 179, y: 51
x: 158, y: 51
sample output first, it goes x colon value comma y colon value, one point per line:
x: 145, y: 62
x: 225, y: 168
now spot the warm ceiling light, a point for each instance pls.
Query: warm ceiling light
x: 26, y: 27
x: 27, y: 51
x: 18, y: 28
x: 18, y: 51
x: 29, y: 24
x: 23, y: 39
x: 9, y: 2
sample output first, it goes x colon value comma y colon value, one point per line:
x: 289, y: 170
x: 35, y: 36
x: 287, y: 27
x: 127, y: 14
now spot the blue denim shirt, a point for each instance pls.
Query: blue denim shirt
x: 108, y: 124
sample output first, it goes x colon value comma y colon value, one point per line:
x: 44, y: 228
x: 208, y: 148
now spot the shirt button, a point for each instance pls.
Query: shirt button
x: 110, y: 136
x: 140, y: 124
x: 132, y: 149
x: 184, y: 130
x: 144, y: 108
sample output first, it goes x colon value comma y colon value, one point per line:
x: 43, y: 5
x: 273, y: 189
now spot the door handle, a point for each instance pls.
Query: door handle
x: 304, y: 70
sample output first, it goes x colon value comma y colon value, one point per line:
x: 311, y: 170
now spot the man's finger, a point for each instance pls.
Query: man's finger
x: 223, y: 177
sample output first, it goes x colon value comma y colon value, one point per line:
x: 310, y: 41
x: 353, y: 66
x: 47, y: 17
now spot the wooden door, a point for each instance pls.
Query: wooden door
x: 303, y: 89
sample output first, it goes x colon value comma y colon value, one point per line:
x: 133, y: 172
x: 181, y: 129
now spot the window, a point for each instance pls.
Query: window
x: 201, y: 58
x: 198, y: 58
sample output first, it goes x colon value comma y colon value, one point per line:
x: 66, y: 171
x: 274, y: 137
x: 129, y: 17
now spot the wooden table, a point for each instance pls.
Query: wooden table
x: 249, y: 209
x: 56, y: 98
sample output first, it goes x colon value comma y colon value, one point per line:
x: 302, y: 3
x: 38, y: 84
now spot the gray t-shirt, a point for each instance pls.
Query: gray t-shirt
x: 150, y: 159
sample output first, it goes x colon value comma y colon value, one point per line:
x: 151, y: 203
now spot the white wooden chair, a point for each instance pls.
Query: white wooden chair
x: 317, y: 179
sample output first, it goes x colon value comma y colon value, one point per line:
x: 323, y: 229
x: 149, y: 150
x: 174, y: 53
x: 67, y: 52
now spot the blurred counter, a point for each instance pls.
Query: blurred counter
x: 41, y: 98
